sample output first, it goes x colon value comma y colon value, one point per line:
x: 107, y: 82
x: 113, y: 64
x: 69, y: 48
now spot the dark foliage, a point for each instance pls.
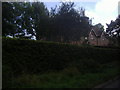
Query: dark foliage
x: 62, y: 24
x: 113, y: 29
x: 36, y: 57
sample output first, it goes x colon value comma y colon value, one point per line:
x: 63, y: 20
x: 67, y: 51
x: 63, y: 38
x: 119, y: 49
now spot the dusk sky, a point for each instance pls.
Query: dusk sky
x: 103, y: 11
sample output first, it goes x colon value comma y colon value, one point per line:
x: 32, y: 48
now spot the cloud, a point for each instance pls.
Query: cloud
x: 104, y: 12
x: 68, y: 0
x: 119, y: 8
x: 106, y: 6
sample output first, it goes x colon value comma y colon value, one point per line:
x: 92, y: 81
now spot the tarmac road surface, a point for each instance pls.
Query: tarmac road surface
x: 114, y: 83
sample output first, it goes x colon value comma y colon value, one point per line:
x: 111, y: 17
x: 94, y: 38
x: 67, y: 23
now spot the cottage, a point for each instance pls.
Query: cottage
x: 97, y: 37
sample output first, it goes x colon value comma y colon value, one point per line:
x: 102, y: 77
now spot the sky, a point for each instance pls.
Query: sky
x: 101, y: 11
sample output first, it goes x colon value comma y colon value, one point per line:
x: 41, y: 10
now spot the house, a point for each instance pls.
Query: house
x: 98, y: 37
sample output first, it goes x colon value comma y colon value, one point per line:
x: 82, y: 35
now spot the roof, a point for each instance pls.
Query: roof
x: 97, y: 31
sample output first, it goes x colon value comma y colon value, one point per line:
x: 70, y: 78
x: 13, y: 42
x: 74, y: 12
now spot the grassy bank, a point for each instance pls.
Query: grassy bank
x: 28, y: 63
x: 68, y: 78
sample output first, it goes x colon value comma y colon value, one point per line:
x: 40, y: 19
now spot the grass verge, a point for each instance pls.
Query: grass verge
x: 68, y: 78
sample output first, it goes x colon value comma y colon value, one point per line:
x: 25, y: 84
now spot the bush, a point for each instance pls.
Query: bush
x: 6, y: 77
x: 37, y: 57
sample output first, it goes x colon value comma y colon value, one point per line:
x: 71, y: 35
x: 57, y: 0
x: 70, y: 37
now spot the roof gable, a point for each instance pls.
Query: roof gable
x: 97, y: 31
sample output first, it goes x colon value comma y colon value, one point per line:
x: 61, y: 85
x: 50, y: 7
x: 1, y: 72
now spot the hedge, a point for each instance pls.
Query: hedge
x: 37, y: 56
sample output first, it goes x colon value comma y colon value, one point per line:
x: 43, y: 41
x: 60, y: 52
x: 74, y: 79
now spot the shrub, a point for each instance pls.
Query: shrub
x: 37, y: 57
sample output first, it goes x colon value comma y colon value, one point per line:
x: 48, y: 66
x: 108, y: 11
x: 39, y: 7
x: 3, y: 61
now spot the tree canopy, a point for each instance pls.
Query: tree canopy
x: 113, y: 29
x: 63, y: 23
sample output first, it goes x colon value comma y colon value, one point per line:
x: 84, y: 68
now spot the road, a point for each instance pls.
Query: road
x: 114, y: 83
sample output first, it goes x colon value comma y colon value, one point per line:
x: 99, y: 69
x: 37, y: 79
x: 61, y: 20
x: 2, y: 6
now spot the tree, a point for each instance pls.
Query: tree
x: 68, y: 23
x: 63, y: 24
x: 8, y: 27
x: 40, y: 17
x: 17, y: 20
x: 24, y: 19
x: 113, y: 29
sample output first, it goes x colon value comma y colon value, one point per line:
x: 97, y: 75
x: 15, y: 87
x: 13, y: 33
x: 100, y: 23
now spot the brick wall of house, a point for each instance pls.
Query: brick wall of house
x: 104, y: 41
x: 100, y: 41
x: 92, y: 39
